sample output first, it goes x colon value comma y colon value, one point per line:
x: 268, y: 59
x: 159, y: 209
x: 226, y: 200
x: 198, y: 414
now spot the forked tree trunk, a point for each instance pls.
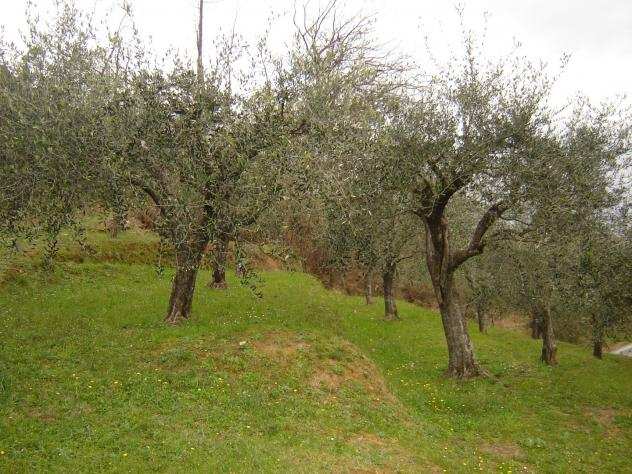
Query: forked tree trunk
x: 461, y: 361
x: 549, y: 348
x: 219, y: 264
x: 368, y: 287
x: 388, y: 283
x: 183, y: 286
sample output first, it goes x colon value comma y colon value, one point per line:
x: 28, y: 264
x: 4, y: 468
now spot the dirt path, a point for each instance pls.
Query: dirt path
x: 624, y: 350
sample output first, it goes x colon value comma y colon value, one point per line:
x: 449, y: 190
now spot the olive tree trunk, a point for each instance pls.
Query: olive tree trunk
x: 461, y: 361
x: 442, y: 262
x: 536, y: 325
x: 388, y: 283
x: 598, y: 349
x: 188, y: 259
x: 549, y: 348
x: 368, y: 287
x: 116, y: 224
x: 220, y: 254
x: 597, y: 339
x: 483, y: 320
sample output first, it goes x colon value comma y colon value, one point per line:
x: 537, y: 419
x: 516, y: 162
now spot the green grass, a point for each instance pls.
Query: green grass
x: 301, y: 380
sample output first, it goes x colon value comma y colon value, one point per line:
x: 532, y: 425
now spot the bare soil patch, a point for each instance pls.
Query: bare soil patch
x: 280, y: 345
x: 503, y: 450
x: 331, y: 375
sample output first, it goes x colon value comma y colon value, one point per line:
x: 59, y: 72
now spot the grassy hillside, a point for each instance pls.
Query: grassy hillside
x: 301, y: 380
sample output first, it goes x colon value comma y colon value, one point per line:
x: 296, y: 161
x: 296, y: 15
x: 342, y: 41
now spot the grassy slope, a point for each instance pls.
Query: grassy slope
x: 90, y: 379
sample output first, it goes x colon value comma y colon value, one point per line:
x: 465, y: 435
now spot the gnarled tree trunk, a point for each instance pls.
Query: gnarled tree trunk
x: 549, y: 349
x: 188, y: 258
x: 388, y: 281
x: 461, y: 361
x: 368, y: 287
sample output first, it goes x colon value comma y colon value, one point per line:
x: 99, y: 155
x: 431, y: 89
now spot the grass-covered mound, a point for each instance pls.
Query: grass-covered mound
x: 301, y: 380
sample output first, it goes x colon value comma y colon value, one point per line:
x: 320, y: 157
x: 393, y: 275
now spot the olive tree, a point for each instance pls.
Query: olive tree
x: 52, y: 89
x: 588, y: 221
x: 344, y: 81
x: 602, y: 288
x: 101, y: 123
x: 599, y: 286
x: 549, y: 270
x: 209, y: 153
x: 368, y: 228
x: 474, y: 130
x: 190, y: 146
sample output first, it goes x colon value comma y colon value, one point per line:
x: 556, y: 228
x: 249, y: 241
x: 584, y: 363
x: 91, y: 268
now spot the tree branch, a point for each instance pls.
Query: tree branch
x: 152, y: 194
x: 433, y: 203
x: 404, y: 257
x: 476, y: 244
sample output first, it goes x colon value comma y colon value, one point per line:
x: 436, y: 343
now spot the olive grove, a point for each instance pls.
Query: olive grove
x: 469, y: 171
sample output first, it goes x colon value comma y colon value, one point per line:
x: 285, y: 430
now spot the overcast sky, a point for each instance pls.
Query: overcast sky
x: 597, y: 33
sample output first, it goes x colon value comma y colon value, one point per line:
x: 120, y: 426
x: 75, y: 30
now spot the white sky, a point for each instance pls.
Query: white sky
x: 597, y: 33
